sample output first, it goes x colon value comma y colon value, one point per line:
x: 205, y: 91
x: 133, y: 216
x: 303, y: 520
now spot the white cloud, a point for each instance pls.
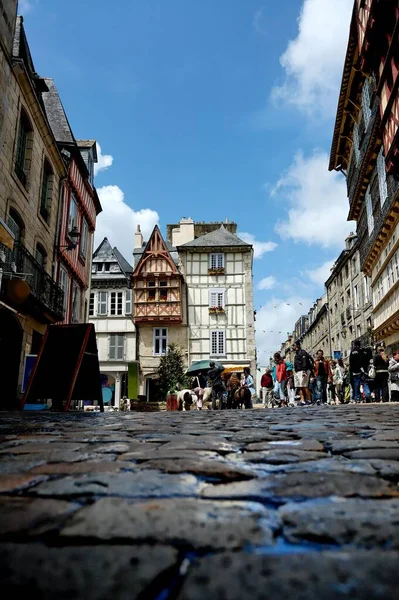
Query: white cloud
x: 118, y: 220
x: 313, y: 61
x: 320, y: 274
x: 24, y: 6
x: 317, y: 204
x: 260, y: 248
x: 274, y: 321
x: 104, y: 161
x: 258, y: 21
x: 267, y: 283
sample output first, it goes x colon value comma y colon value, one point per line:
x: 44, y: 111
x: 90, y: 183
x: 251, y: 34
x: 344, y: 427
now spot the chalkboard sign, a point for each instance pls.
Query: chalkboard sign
x: 66, y: 368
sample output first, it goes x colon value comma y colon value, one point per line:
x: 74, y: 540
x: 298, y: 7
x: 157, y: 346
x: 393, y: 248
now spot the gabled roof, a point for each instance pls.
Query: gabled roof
x: 216, y: 239
x: 105, y: 253
x: 156, y: 245
x: 89, y: 144
x: 56, y: 114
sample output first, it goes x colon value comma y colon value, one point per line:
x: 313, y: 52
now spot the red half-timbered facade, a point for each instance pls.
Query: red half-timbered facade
x: 157, y: 285
x: 365, y: 148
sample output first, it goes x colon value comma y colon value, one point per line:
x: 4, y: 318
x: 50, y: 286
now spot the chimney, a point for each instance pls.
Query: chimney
x: 138, y: 238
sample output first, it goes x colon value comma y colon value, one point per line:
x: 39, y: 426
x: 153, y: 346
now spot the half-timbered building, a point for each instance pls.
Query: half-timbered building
x: 159, y: 307
x: 365, y: 148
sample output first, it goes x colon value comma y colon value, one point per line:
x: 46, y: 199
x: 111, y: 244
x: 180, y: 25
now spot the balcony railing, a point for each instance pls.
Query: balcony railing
x: 45, y: 294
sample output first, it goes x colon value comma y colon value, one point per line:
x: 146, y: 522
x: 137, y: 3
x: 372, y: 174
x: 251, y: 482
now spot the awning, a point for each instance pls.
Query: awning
x: 6, y: 235
x: 235, y: 368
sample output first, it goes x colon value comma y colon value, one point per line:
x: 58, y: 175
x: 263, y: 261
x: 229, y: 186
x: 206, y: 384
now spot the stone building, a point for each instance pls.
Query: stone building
x: 31, y: 166
x: 316, y: 336
x: 365, y: 148
x: 110, y: 310
x: 349, y: 301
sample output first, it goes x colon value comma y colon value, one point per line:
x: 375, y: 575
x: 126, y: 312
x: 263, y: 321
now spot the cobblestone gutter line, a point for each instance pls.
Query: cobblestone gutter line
x: 236, y: 504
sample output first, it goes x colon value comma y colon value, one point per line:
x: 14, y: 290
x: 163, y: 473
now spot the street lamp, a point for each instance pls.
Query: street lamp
x: 74, y: 237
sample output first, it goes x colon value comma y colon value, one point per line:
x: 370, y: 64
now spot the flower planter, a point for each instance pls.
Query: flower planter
x: 219, y: 271
x: 171, y: 402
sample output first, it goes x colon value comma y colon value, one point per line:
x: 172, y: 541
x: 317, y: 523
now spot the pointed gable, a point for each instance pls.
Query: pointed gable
x: 156, y: 257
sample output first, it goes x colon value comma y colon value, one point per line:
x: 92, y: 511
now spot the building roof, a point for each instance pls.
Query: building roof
x: 56, y: 114
x: 137, y: 252
x: 216, y: 239
x: 89, y: 144
x: 105, y: 253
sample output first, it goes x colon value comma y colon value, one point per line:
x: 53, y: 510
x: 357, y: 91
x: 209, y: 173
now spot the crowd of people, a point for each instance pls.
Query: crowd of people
x: 367, y: 377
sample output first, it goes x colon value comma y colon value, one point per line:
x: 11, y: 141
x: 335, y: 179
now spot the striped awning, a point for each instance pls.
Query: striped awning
x: 234, y: 368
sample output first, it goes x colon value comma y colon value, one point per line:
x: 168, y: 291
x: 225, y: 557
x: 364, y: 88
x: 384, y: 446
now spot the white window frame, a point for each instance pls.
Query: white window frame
x: 366, y: 103
x: 128, y: 302
x: 382, y: 177
x: 356, y: 142
x: 101, y: 303
x: 216, y: 260
x: 369, y: 212
x: 117, y: 310
x: 356, y: 296
x: 217, y: 298
x: 366, y: 289
x: 76, y: 303
x: 161, y: 335
x: 218, y: 337
x: 63, y: 282
x: 83, y: 238
x: 116, y: 349
x: 92, y: 304
x: 72, y: 214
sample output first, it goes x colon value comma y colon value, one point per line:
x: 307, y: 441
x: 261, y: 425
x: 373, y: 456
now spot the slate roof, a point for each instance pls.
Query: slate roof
x: 89, y: 144
x: 105, y: 253
x: 124, y: 265
x: 56, y: 114
x: 218, y: 238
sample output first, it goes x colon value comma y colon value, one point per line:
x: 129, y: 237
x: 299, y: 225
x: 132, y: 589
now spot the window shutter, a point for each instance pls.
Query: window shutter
x: 128, y: 305
x: 369, y: 211
x: 382, y: 177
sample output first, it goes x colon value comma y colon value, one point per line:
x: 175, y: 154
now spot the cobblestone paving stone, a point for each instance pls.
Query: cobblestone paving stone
x: 201, y: 505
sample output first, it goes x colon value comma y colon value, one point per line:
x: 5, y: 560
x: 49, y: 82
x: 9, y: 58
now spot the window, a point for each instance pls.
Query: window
x: 102, y: 302
x: 163, y: 291
x: 358, y: 331
x: 116, y: 303
x: 24, y: 143
x: 46, y: 191
x: 63, y: 282
x: 91, y: 305
x: 369, y: 211
x: 128, y: 304
x: 382, y: 177
x: 76, y: 303
x: 160, y: 341
x: 40, y: 255
x: 356, y: 142
x: 379, y: 290
x: 116, y: 346
x: 216, y: 261
x: 218, y: 343
x: 83, y: 239
x: 391, y: 271
x: 73, y: 214
x: 16, y: 225
x: 356, y: 296
x: 366, y: 103
x: 217, y: 298
x: 151, y: 295
x: 366, y: 289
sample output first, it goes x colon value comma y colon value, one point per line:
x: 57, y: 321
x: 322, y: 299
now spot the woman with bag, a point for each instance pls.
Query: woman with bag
x: 381, y: 364
x: 394, y: 376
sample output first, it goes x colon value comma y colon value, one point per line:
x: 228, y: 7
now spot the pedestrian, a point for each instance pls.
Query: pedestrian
x: 266, y: 384
x: 322, y: 375
x: 248, y: 385
x: 233, y: 385
x: 381, y: 364
x: 338, y: 381
x: 280, y: 378
x: 215, y: 382
x: 333, y: 383
x: 394, y: 376
x: 357, y: 369
x: 303, y: 365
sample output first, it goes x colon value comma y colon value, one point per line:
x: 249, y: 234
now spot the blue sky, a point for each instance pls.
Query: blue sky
x: 210, y: 109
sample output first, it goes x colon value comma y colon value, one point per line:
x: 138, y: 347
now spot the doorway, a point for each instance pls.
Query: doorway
x: 11, y: 336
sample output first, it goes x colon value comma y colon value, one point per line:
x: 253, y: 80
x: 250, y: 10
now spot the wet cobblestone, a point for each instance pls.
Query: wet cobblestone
x: 179, y: 506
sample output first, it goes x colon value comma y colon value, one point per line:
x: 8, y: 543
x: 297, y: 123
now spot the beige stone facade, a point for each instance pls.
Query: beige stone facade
x: 23, y: 118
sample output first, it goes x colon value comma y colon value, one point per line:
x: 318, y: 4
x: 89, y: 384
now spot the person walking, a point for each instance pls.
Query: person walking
x: 356, y: 367
x: 381, y: 364
x: 303, y: 365
x: 215, y: 382
x: 266, y: 384
x: 248, y: 385
x: 322, y: 373
x: 393, y: 370
x: 233, y: 385
x: 280, y: 378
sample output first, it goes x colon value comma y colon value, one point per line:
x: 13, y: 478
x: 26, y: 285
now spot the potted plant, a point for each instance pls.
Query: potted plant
x: 171, y: 375
x: 213, y: 309
x: 216, y: 271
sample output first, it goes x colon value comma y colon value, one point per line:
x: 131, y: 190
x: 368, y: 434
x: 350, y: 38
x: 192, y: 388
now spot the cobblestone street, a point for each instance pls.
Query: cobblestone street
x: 299, y: 504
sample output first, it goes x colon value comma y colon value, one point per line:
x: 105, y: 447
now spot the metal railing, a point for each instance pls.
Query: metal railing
x: 19, y: 262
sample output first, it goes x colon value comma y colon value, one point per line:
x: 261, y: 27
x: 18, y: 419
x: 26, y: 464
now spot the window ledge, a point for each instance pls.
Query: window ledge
x: 24, y: 189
